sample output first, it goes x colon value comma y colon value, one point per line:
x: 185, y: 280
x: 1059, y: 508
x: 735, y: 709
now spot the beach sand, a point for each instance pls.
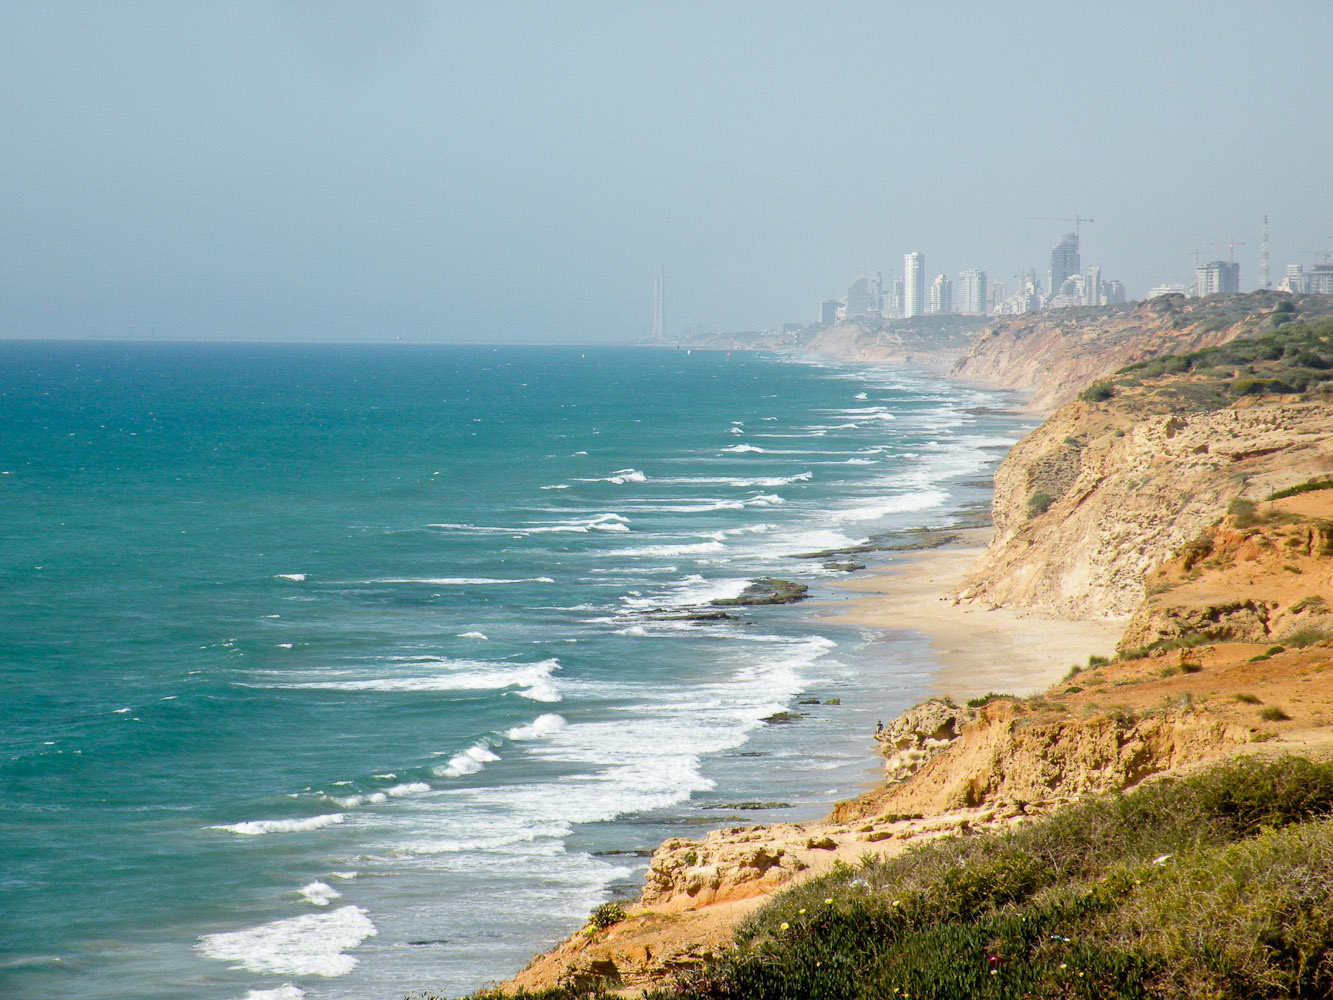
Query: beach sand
x: 979, y: 650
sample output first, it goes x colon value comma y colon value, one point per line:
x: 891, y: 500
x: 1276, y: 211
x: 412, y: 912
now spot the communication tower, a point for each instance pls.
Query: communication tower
x: 1264, y: 282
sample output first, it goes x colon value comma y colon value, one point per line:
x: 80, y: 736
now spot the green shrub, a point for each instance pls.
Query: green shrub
x: 1218, y: 886
x: 1243, y: 513
x: 1039, y: 503
x: 1307, y: 487
x: 1302, y: 637
x: 1273, y: 714
x: 986, y: 699
x: 1098, y: 392
x: 606, y: 915
x: 1152, y: 893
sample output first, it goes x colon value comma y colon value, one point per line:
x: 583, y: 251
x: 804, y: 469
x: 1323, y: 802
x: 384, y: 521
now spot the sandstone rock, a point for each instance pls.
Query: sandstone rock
x: 919, y: 734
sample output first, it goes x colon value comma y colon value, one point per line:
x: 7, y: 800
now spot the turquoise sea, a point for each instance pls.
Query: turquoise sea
x: 349, y: 671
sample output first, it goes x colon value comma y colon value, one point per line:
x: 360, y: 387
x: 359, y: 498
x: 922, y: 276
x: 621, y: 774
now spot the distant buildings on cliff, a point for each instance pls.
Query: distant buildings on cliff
x: 972, y: 294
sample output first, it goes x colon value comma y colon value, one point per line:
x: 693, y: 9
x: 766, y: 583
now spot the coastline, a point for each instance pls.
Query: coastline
x: 698, y: 890
x: 1226, y: 656
x: 979, y: 650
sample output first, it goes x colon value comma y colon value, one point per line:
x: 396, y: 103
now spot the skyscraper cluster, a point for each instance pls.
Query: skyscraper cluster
x: 915, y: 295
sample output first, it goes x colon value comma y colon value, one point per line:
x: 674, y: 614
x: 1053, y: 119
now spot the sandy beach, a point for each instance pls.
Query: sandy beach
x: 979, y: 649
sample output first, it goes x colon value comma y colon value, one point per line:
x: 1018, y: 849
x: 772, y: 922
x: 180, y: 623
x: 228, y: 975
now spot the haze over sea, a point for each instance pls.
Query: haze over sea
x: 348, y: 671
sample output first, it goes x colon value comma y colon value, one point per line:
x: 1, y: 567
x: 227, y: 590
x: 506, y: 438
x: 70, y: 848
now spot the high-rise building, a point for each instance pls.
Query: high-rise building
x: 1217, y: 276
x: 1295, y: 281
x: 941, y: 295
x: 1319, y: 280
x: 972, y: 292
x: 896, y: 305
x: 1092, y: 284
x: 859, y: 297
x: 914, y: 284
x: 828, y: 312
x: 658, y: 302
x: 1064, y: 262
x: 1113, y: 292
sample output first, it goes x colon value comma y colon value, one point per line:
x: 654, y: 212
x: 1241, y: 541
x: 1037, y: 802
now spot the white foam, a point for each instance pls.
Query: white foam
x: 544, y: 725
x: 255, y: 828
x: 670, y: 551
x: 745, y: 449
x: 877, y: 509
x: 739, y: 481
x: 500, y: 835
x: 737, y: 430
x: 690, y: 591
x: 408, y: 788
x: 557, y: 486
x: 464, y: 581
x: 319, y: 893
x: 352, y: 801
x: 295, y: 577
x: 473, y: 635
x: 534, y: 680
x: 860, y: 395
x: 284, y: 992
x: 470, y: 761
x: 620, y: 477
x: 309, y: 945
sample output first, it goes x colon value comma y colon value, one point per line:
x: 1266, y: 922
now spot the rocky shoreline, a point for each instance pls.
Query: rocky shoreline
x: 1157, y: 593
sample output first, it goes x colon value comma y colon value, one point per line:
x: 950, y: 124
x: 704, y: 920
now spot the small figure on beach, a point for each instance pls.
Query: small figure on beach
x: 879, y: 727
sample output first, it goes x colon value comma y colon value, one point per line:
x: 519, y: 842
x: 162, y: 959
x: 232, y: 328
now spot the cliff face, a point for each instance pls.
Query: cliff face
x: 1101, y: 494
x: 1116, y: 482
x: 1055, y: 355
x: 1013, y: 756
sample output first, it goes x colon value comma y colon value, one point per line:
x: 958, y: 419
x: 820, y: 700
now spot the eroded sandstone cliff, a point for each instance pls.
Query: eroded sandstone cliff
x: 1055, y: 355
x: 1102, y: 493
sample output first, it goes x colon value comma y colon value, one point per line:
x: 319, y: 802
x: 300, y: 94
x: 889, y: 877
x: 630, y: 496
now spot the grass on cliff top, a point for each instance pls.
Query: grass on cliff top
x: 1218, y: 886
x: 1295, y: 358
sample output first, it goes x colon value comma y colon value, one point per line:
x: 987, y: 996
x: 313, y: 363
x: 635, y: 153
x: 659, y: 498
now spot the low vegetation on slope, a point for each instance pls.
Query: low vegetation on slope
x: 1294, y: 358
x: 1217, y: 886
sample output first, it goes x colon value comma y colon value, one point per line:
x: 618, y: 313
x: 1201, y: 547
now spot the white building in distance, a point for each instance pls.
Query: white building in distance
x: 972, y: 292
x: 914, y: 284
x: 941, y: 295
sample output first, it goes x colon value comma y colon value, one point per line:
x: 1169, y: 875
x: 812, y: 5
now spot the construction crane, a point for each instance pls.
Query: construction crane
x: 1198, y: 250
x: 1231, y: 249
x: 1320, y: 253
x: 1076, y: 220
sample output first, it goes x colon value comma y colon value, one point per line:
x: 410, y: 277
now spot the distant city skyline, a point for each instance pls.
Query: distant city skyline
x: 291, y: 169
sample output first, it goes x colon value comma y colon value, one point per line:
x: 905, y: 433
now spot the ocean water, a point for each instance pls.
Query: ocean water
x: 351, y: 671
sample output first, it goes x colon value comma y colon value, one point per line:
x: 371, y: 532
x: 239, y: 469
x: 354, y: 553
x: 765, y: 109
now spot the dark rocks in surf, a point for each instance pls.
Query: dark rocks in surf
x: 846, y: 567
x: 768, y: 590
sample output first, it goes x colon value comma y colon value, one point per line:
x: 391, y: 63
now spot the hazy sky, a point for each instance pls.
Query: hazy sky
x: 334, y: 169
